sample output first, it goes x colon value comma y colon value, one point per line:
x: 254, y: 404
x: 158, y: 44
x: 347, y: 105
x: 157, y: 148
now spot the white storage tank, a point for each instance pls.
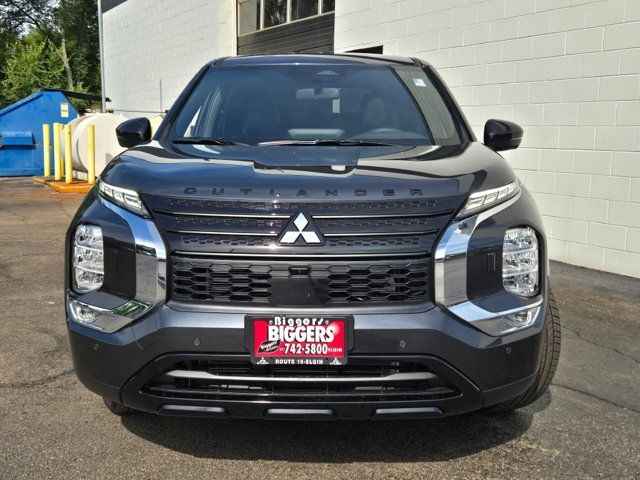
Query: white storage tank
x: 106, y: 143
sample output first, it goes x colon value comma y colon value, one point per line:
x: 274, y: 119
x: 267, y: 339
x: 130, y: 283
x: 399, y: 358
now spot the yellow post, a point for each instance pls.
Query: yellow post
x: 46, y: 145
x: 91, y: 146
x: 68, y: 171
x: 56, y: 153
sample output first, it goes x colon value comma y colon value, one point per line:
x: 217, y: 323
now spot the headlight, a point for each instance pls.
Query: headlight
x: 520, y: 261
x: 88, y: 258
x: 124, y: 198
x: 487, y: 198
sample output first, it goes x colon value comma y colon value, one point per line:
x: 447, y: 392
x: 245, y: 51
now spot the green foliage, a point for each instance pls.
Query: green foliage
x: 8, y: 38
x: 34, y: 63
x: 79, y: 20
x: 34, y: 34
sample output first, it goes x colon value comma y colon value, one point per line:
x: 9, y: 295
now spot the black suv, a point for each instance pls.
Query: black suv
x: 310, y: 237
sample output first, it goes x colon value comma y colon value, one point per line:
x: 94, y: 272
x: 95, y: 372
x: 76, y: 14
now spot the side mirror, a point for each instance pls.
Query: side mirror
x: 502, y: 135
x: 134, y: 132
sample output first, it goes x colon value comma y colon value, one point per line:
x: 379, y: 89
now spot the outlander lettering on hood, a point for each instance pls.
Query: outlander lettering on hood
x: 302, y: 193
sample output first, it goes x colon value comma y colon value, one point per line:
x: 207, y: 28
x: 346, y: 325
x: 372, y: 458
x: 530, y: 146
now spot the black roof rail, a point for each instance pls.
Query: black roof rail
x: 218, y: 61
x: 376, y: 56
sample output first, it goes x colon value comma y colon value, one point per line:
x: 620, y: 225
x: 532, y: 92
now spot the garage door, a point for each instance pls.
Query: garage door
x: 285, y: 26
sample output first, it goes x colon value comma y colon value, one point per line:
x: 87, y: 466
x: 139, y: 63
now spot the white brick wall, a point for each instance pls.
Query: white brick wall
x: 154, y: 47
x: 568, y: 71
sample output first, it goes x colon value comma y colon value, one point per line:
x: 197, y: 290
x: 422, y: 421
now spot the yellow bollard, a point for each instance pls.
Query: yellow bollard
x: 46, y: 145
x: 91, y: 146
x: 56, y: 152
x: 68, y: 171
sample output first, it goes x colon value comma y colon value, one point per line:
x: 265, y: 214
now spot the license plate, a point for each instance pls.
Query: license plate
x: 308, y: 340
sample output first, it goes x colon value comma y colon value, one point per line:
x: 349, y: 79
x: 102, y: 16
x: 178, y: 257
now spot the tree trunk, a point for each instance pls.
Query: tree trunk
x: 65, y: 60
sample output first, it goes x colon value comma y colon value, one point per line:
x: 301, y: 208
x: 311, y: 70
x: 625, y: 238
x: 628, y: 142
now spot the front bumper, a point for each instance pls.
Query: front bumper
x: 483, y: 370
x: 478, y: 369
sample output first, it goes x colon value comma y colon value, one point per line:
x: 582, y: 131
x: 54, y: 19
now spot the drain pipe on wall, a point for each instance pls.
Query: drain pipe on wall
x: 101, y: 43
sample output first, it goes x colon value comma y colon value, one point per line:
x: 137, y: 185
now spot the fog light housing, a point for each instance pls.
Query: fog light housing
x: 105, y: 320
x: 520, y: 261
x: 88, y: 258
x: 83, y: 313
x: 523, y: 318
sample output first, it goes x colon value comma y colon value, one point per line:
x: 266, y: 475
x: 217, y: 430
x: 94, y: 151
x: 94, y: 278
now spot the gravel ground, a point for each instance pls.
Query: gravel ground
x: 587, y: 425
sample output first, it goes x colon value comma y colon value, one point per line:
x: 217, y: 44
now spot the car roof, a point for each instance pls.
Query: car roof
x: 318, y: 59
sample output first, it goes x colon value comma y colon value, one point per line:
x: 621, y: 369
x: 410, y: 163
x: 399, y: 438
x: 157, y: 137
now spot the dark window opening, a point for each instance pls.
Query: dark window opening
x: 303, y: 9
x: 377, y: 49
x: 328, y: 6
x: 275, y: 12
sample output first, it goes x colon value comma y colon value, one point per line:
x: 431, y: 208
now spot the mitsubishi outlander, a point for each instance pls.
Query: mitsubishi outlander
x: 311, y: 237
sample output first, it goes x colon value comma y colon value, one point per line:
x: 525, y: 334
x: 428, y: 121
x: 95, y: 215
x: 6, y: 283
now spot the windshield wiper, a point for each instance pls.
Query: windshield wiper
x: 206, y: 141
x: 342, y: 142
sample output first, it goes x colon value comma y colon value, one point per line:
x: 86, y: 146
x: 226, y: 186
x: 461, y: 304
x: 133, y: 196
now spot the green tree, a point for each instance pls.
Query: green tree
x: 33, y: 64
x: 77, y: 24
x: 68, y: 28
x: 8, y: 39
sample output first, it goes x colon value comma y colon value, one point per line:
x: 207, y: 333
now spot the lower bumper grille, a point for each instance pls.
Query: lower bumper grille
x: 356, y: 381
x: 299, y: 283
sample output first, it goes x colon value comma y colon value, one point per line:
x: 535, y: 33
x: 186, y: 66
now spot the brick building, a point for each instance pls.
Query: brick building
x: 567, y: 70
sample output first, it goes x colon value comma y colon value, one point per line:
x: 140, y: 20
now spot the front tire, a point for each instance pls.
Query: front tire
x: 548, y: 362
x: 117, y: 408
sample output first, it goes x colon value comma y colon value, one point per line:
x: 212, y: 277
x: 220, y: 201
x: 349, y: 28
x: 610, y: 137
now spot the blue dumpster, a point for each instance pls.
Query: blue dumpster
x: 21, y: 130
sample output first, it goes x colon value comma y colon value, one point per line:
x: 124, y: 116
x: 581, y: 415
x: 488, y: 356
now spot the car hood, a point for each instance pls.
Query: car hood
x: 308, y: 172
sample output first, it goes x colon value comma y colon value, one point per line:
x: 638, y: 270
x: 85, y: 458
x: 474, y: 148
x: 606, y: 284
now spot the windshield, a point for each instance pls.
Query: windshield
x: 315, y: 105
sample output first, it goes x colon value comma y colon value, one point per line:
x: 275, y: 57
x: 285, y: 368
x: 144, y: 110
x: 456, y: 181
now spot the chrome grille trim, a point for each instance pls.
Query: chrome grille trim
x: 292, y: 255
x: 240, y: 234
x: 380, y: 234
x: 394, y: 377
x: 271, y: 234
x: 221, y: 215
x: 401, y: 215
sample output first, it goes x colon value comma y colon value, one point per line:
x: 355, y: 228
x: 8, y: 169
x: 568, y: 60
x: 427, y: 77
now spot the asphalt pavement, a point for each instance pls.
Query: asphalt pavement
x: 586, y: 426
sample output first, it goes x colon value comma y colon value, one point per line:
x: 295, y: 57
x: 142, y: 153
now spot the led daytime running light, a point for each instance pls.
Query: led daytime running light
x: 124, y: 198
x: 488, y: 198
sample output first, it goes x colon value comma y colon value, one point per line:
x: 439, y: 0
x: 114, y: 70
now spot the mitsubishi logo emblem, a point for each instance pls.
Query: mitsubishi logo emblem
x: 301, y: 226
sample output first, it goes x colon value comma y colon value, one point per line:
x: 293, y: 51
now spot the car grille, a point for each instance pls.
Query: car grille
x: 356, y: 381
x: 197, y: 242
x: 226, y: 251
x: 295, y: 283
x: 409, y: 226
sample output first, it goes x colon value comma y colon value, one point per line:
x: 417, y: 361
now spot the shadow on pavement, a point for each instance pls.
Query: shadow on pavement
x: 335, y: 442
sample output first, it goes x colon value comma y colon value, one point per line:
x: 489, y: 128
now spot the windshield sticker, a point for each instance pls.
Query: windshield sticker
x: 419, y: 82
